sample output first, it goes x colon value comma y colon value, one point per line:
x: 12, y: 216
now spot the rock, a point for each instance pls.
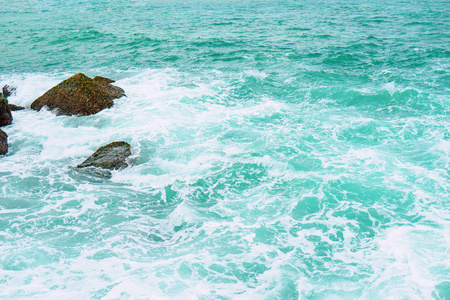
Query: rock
x: 5, y: 112
x: 3, y: 142
x: 7, y: 91
x: 112, y: 157
x: 13, y: 107
x: 80, y: 95
x: 103, y: 79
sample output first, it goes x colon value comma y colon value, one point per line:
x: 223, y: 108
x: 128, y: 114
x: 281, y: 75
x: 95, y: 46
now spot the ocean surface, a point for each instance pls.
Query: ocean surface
x: 280, y: 150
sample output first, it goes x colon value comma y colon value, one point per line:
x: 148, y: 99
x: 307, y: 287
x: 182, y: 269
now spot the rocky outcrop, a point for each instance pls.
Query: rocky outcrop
x: 3, y: 142
x: 13, y: 107
x: 112, y: 157
x: 5, y: 112
x: 7, y: 91
x: 80, y: 95
x: 5, y: 116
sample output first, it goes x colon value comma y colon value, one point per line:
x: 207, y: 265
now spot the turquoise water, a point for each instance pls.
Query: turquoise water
x: 281, y: 150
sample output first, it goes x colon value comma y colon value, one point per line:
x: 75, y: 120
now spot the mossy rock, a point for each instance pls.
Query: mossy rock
x: 3, y: 142
x: 5, y: 112
x: 80, y: 95
x: 111, y: 157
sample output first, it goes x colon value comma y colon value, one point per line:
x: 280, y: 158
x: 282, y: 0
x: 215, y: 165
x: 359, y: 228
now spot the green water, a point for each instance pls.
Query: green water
x: 281, y: 150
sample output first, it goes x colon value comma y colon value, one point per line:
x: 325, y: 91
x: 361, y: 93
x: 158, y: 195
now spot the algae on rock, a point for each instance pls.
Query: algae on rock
x: 80, y: 95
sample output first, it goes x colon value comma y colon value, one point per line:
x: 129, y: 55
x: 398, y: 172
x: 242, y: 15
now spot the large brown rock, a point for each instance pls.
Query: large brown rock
x: 80, y: 95
x: 3, y: 142
x: 112, y: 157
x: 5, y: 112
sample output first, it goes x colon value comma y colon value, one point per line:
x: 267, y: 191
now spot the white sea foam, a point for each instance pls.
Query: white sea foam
x: 415, y: 253
x: 154, y: 226
x: 257, y: 74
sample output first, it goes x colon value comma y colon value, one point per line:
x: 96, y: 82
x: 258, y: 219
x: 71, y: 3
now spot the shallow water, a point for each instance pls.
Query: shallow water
x: 281, y: 150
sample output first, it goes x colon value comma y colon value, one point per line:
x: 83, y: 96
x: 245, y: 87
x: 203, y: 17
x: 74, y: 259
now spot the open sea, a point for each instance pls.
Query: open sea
x: 280, y: 150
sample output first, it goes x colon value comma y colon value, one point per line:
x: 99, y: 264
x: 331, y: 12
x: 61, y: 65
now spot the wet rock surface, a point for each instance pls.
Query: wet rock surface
x: 111, y: 157
x: 5, y: 112
x: 13, y: 107
x: 3, y: 142
x: 80, y: 95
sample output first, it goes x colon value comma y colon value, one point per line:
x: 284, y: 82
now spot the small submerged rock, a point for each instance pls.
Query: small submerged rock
x: 5, y: 112
x: 80, y: 95
x: 3, y: 142
x: 111, y: 157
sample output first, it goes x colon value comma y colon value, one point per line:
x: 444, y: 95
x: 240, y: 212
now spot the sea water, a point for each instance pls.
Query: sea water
x: 280, y: 150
